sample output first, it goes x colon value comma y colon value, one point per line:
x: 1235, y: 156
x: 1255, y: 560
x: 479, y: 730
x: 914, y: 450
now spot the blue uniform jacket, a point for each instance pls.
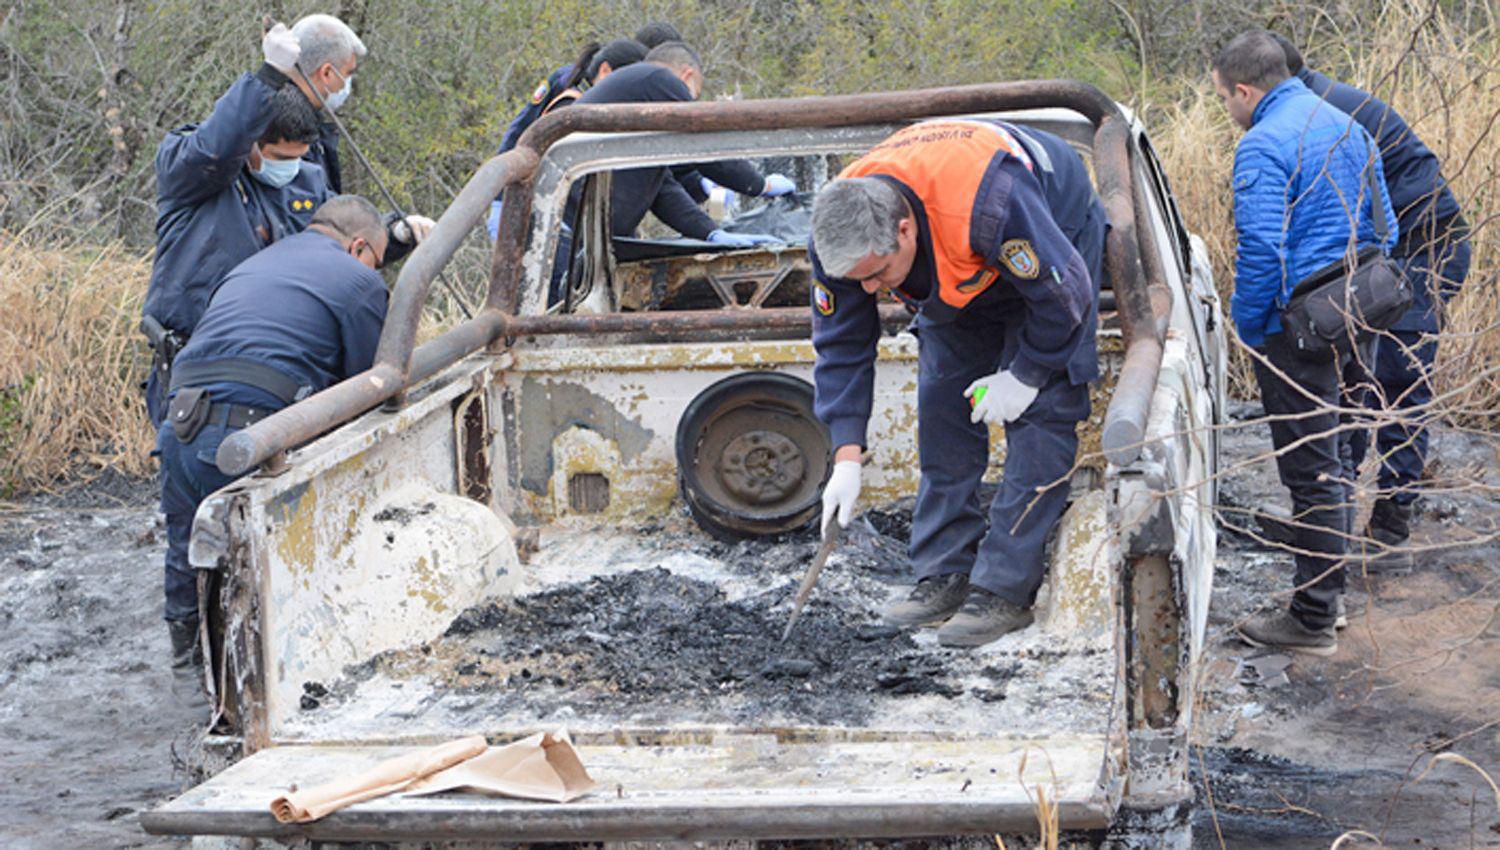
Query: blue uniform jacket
x: 1053, y: 207
x: 1299, y: 175
x: 324, y: 153
x: 1424, y: 204
x: 211, y: 213
x: 303, y: 306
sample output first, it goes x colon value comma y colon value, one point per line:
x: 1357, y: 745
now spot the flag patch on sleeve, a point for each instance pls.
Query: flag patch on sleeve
x: 823, y: 298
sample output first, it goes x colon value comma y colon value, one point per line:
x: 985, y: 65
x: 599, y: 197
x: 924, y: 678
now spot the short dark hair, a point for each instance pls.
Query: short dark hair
x: 293, y: 118
x: 657, y: 33
x: 675, y: 54
x: 1294, y: 61
x: 618, y: 53
x: 1254, y: 59
x: 350, y: 216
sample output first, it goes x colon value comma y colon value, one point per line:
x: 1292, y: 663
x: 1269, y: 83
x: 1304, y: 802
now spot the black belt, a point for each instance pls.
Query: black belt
x: 237, y: 415
x: 237, y: 370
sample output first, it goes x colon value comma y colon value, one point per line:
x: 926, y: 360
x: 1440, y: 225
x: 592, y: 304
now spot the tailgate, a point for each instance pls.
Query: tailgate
x: 733, y: 786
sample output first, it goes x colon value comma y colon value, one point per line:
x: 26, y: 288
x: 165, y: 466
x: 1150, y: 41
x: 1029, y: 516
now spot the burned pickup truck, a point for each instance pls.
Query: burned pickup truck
x: 591, y: 511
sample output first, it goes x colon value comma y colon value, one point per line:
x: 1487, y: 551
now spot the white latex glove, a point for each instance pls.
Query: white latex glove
x: 421, y: 225
x: 1004, y: 399
x: 778, y: 185
x: 841, y: 493
x: 281, y: 49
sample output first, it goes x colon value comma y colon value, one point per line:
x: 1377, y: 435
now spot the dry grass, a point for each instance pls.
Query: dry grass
x: 1443, y: 76
x: 70, y: 362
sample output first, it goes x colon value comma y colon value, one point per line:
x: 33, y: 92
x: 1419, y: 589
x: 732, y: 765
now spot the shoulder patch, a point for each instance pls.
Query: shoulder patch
x: 823, y: 299
x: 1020, y: 258
x: 541, y: 91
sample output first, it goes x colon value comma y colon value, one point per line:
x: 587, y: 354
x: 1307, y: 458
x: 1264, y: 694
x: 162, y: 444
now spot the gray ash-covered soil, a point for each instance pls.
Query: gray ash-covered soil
x: 688, y: 631
x: 632, y: 641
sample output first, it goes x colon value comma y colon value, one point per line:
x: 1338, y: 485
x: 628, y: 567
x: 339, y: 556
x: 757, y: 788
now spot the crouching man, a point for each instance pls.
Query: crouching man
x: 995, y: 235
x: 293, y: 319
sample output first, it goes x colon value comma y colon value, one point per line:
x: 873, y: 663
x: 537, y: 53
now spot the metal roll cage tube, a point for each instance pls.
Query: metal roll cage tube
x: 1141, y: 295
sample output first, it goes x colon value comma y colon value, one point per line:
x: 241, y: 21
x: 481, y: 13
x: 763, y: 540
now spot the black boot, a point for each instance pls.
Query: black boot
x: 187, y: 669
x: 1388, y: 532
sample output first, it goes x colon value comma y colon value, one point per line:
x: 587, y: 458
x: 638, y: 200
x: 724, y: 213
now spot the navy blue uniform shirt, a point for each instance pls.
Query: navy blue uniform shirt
x: 633, y: 191
x: 211, y: 213
x: 1413, y: 176
x: 303, y: 306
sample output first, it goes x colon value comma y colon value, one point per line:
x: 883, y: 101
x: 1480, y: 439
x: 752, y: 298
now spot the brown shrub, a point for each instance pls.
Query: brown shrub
x: 70, y: 362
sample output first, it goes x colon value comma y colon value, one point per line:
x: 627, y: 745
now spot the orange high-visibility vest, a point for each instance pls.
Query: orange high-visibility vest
x: 943, y: 162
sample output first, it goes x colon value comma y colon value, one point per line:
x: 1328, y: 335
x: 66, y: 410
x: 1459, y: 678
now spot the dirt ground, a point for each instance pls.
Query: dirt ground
x: 90, y: 738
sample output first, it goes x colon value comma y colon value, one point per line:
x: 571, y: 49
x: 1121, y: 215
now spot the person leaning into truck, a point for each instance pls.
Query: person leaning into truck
x: 671, y: 72
x: 1433, y: 251
x: 1301, y: 202
x: 229, y: 187
x: 994, y: 235
x: 289, y: 321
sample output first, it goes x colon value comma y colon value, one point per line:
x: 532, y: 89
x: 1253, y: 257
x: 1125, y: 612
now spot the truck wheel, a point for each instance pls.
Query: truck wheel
x: 751, y: 456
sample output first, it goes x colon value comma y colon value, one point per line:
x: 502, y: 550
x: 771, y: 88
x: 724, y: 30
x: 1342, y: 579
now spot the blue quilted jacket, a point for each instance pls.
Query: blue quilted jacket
x: 1299, y: 175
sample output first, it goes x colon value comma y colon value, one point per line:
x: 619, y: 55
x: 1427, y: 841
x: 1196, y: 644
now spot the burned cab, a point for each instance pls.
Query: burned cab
x: 588, y: 506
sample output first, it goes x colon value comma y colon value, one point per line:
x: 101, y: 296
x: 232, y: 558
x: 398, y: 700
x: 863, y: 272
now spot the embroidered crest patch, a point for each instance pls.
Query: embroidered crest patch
x: 541, y: 92
x: 823, y: 299
x: 1020, y: 258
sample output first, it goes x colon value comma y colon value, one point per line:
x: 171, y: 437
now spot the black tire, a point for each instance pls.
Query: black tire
x: 752, y: 458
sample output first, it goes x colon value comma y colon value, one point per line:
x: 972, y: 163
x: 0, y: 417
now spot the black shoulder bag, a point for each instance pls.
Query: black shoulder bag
x: 1336, y: 307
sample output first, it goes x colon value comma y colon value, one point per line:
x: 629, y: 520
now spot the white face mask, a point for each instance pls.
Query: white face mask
x: 336, y: 99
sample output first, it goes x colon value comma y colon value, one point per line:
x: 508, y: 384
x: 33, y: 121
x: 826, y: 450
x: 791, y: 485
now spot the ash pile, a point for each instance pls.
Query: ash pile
x: 663, y: 626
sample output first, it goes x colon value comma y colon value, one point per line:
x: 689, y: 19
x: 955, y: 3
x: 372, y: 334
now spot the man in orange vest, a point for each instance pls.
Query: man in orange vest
x: 994, y: 236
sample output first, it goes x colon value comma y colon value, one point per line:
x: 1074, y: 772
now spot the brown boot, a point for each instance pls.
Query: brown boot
x: 983, y: 618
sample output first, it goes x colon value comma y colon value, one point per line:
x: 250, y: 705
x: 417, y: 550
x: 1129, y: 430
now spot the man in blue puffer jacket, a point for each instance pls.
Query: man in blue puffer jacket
x: 1434, y: 252
x: 1301, y: 203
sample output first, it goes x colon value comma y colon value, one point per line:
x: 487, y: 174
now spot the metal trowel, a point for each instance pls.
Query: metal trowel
x: 830, y: 542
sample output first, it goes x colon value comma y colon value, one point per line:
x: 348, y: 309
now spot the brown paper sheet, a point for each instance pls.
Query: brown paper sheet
x: 388, y: 777
x: 542, y: 767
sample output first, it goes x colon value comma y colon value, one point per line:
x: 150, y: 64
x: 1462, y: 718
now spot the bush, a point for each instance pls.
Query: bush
x: 70, y: 364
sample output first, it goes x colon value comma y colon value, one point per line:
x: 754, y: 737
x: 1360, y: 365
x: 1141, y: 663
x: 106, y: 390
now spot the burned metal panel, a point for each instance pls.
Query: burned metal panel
x: 362, y: 545
x: 725, y: 785
x: 740, y: 279
x: 632, y: 397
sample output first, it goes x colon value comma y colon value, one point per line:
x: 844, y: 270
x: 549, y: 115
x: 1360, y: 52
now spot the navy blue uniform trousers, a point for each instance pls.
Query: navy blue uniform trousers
x: 949, y: 530
x: 1403, y: 368
x: 189, y: 475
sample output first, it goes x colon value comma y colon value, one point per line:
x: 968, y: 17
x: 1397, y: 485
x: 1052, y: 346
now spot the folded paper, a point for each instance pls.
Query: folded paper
x: 542, y: 767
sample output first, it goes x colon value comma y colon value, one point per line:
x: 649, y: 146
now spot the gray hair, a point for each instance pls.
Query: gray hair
x: 351, y: 216
x: 675, y: 55
x: 1253, y: 58
x: 325, y: 39
x: 855, y: 217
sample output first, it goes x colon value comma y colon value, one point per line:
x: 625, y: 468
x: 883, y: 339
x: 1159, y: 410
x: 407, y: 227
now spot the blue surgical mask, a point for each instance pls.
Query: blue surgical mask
x: 336, y: 99
x: 277, y: 172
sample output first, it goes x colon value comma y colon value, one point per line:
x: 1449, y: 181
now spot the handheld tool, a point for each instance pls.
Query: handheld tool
x: 266, y: 24
x: 830, y: 542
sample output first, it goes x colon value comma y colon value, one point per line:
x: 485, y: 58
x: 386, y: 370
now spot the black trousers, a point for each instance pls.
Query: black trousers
x: 1315, y: 459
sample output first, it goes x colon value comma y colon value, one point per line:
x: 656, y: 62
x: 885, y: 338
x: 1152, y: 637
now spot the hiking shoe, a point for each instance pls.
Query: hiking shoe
x: 932, y: 600
x: 1280, y: 630
x: 984, y: 617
